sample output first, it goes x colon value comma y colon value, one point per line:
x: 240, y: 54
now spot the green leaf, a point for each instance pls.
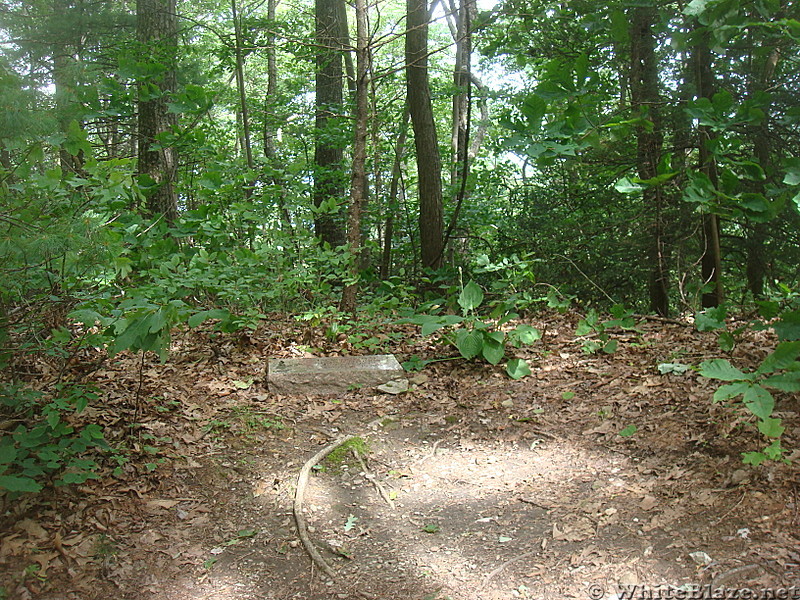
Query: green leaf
x: 628, y: 431
x: 695, y: 7
x: 719, y: 368
x: 726, y: 341
x: 711, y: 319
x: 753, y: 458
x: 215, y: 313
x: 610, y: 346
x: 785, y: 382
x: 517, y: 368
x: 493, y: 351
x: 759, y: 401
x: 788, y: 327
x: 626, y: 186
x: 771, y: 427
x: 471, y: 297
x: 13, y: 483
x: 525, y: 334
x: 783, y: 357
x: 731, y: 390
x: 469, y: 343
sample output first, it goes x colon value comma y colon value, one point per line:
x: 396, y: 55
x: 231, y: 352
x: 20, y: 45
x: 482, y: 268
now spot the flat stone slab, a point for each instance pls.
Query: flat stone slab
x: 331, y: 375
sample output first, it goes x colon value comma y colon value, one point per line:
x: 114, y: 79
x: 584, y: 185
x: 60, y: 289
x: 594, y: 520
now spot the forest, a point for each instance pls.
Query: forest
x: 454, y: 181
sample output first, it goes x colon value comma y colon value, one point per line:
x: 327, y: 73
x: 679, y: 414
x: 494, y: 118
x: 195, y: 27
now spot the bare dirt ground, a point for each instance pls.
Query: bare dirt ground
x: 473, y: 486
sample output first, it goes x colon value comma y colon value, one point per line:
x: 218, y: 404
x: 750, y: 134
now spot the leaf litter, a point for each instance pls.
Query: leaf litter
x: 499, y: 488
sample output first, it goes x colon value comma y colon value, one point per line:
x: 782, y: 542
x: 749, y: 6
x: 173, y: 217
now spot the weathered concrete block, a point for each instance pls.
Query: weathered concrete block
x: 330, y: 375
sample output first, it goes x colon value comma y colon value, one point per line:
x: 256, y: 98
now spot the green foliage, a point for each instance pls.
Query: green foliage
x: 44, y: 446
x: 595, y: 331
x: 779, y: 371
x: 477, y: 336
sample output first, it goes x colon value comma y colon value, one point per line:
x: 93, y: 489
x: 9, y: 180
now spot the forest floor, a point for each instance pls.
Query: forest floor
x: 493, y: 488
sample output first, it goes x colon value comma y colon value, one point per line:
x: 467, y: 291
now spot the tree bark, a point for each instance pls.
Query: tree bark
x: 329, y: 182
x: 429, y: 163
x: 392, y: 204
x: 358, y: 182
x: 245, y: 116
x: 645, y: 99
x: 711, y: 261
x: 157, y: 31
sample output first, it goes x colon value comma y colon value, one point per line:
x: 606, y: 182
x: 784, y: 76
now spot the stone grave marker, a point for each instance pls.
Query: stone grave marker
x: 331, y: 374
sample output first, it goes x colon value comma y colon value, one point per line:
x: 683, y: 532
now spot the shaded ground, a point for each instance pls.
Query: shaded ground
x: 498, y: 488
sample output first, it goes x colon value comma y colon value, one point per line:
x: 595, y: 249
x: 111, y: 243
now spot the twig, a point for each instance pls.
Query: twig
x: 299, y: 519
x: 722, y: 518
x: 715, y: 583
x: 489, y: 577
x: 369, y: 475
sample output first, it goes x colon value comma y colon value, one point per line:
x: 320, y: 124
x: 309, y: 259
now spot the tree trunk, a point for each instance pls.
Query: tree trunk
x: 328, y: 155
x: 392, y: 204
x: 359, y: 174
x: 711, y: 262
x: 157, y: 29
x: 429, y: 163
x: 756, y: 269
x: 245, y: 116
x: 645, y: 99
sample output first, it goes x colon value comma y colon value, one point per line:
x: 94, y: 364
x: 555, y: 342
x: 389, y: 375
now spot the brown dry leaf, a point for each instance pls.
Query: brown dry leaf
x: 648, y: 503
x: 161, y: 503
x: 33, y: 529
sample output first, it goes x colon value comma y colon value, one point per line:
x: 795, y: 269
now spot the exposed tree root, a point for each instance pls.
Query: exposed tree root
x: 299, y: 519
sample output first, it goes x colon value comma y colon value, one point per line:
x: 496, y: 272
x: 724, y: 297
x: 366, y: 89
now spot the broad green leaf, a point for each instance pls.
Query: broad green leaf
x: 525, y: 334
x: 759, y: 401
x: 517, y: 368
x: 711, y: 319
x: 583, y: 328
x: 471, y: 296
x: 610, y: 346
x: 695, y: 7
x: 469, y: 343
x: 626, y: 186
x: 730, y: 390
x: 788, y: 327
x: 783, y: 357
x: 719, y: 368
x: 753, y: 458
x: 628, y: 431
x: 771, y: 427
x: 13, y: 483
x: 786, y: 382
x: 216, y: 313
x: 493, y: 351
x: 726, y: 341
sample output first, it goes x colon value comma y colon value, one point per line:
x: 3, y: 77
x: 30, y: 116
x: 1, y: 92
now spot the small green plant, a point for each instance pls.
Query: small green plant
x: 779, y: 371
x: 44, y: 444
x: 595, y: 331
x: 481, y: 336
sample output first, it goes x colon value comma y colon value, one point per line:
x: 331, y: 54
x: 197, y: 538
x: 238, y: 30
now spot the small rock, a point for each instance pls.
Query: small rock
x: 701, y: 558
x: 508, y: 403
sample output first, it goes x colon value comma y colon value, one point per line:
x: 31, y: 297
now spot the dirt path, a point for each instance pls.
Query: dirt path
x: 494, y: 489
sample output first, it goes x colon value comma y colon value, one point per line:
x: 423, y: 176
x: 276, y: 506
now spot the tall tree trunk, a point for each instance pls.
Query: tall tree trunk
x: 392, y: 204
x: 359, y: 173
x: 429, y: 162
x: 238, y: 55
x: 645, y: 99
x: 329, y: 182
x: 711, y: 262
x: 65, y: 47
x: 157, y: 30
x: 760, y: 135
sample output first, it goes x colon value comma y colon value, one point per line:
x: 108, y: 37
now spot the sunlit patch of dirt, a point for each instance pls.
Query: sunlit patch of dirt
x: 492, y: 488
